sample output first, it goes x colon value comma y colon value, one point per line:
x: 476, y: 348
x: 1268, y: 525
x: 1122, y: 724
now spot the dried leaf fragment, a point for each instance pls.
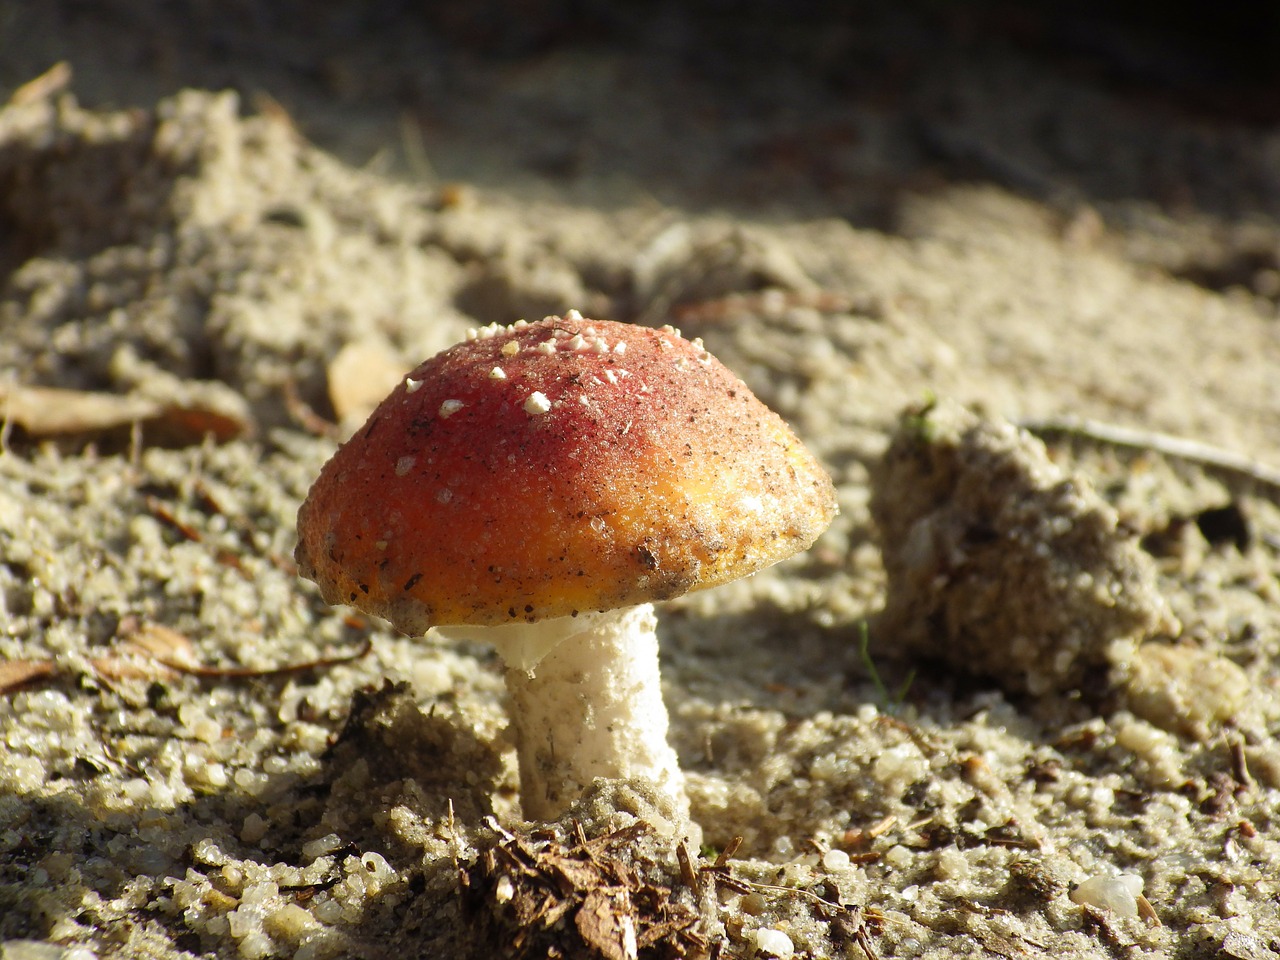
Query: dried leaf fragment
x: 163, y: 644
x: 360, y: 375
x: 52, y: 412
x: 16, y: 674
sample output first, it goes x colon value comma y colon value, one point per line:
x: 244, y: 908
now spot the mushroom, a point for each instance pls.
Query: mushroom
x: 537, y: 487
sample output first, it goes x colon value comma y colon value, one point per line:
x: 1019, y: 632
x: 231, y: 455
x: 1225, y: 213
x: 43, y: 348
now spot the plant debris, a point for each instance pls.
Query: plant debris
x: 52, y: 412
x: 359, y: 376
x: 606, y: 897
x: 1214, y: 458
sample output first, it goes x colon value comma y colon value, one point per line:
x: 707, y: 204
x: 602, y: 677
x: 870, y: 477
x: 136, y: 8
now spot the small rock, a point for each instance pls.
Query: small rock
x: 1245, y: 947
x: 1118, y: 894
x: 31, y: 950
x: 774, y: 943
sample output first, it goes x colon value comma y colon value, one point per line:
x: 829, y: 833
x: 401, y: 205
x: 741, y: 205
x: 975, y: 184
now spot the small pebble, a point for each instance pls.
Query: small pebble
x: 897, y: 857
x: 774, y: 943
x: 254, y: 829
x: 1119, y: 894
x: 289, y: 922
x: 835, y: 860
x: 318, y: 848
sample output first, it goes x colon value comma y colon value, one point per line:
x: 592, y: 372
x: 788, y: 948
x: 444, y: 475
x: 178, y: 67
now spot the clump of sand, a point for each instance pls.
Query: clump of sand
x: 1000, y: 562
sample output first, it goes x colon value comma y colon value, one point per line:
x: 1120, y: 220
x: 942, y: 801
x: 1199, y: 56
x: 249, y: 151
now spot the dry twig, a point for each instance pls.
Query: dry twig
x: 151, y: 651
x: 1178, y: 448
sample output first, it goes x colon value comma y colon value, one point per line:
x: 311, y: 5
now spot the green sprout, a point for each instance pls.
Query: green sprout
x: 890, y: 703
x: 918, y: 419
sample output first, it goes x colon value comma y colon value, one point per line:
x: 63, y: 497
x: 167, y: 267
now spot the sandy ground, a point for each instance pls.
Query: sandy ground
x: 906, y: 232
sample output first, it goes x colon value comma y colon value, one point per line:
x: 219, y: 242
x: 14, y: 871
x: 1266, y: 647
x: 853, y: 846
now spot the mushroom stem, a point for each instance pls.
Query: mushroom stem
x: 592, y: 707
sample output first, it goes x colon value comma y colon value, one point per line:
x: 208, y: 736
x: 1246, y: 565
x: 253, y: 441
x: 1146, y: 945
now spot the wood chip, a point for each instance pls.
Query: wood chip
x: 605, y: 923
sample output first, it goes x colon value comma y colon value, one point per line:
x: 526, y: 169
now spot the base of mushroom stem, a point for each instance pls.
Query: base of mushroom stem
x: 609, y: 805
x: 592, y: 707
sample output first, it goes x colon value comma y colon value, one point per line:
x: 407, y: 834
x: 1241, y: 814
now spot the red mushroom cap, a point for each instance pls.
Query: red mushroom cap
x: 548, y: 468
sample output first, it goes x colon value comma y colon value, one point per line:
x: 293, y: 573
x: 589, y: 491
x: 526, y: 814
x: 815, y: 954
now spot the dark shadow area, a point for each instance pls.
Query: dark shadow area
x: 45, y: 208
x: 388, y: 730
x: 394, y: 738
x: 826, y: 108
